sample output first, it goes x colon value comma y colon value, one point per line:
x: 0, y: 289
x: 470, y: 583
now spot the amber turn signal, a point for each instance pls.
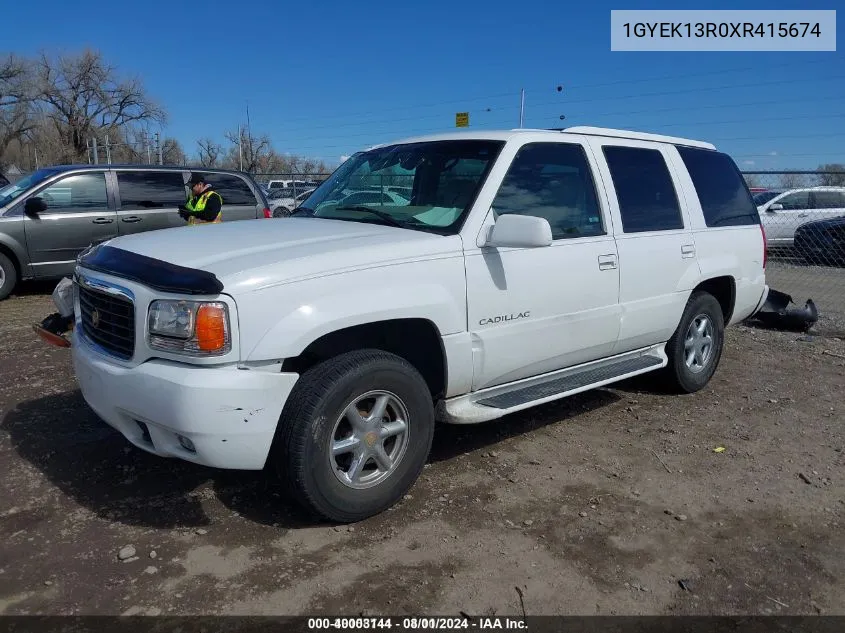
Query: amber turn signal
x: 211, y: 331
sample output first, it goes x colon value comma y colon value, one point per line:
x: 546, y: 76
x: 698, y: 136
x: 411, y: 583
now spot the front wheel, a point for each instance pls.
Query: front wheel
x: 355, y: 434
x: 8, y: 276
x: 695, y: 349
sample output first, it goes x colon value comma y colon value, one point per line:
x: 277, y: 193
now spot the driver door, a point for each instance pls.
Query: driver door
x: 79, y: 212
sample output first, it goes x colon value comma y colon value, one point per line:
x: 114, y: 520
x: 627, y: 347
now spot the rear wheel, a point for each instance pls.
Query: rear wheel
x: 281, y: 212
x: 8, y: 276
x: 355, y: 434
x: 695, y: 349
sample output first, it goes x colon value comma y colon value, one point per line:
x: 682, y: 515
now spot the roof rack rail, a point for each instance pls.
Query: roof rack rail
x: 637, y: 136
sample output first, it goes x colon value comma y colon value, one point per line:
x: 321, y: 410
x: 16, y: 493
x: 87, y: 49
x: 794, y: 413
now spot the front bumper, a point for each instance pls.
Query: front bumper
x: 229, y: 415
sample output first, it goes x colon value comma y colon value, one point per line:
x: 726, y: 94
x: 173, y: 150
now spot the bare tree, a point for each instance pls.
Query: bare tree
x: 208, y: 152
x: 252, y: 149
x: 752, y: 180
x: 791, y: 180
x: 172, y: 153
x: 16, y: 101
x: 83, y: 94
x: 835, y: 176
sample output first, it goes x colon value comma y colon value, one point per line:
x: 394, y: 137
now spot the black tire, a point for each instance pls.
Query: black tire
x: 9, y: 276
x: 301, y: 452
x: 678, y: 375
x: 281, y: 212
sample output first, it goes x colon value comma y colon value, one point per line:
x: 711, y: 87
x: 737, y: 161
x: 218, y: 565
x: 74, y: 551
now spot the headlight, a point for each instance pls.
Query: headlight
x: 198, y: 328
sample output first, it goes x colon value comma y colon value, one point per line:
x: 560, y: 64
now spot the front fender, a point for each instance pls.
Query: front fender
x: 12, y: 236
x: 278, y: 323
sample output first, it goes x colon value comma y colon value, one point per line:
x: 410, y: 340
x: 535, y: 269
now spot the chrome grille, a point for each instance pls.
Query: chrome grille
x: 109, y: 321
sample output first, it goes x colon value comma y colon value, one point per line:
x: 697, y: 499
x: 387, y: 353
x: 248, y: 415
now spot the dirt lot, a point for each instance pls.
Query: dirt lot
x: 571, y: 503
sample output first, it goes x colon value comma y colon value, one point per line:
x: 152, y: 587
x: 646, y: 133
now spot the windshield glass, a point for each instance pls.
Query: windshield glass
x: 425, y: 186
x: 764, y: 196
x: 16, y: 189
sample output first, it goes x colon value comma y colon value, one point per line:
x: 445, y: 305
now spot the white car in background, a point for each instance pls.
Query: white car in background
x: 785, y: 212
x: 282, y: 202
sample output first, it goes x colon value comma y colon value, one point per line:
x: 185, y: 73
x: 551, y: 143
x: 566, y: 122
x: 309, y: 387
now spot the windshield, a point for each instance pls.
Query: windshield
x: 764, y: 196
x: 16, y: 189
x: 424, y: 186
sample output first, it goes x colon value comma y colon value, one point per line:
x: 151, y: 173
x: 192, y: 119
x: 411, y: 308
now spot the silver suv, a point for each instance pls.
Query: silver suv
x: 52, y: 215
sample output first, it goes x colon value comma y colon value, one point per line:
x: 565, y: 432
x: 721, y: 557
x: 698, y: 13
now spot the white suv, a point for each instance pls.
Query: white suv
x: 527, y: 265
x: 785, y: 212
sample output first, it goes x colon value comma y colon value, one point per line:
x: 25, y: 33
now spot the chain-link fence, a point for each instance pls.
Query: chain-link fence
x: 803, y: 214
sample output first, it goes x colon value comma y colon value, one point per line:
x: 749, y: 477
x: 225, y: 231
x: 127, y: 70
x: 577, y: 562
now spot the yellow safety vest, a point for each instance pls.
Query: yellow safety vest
x: 198, y: 204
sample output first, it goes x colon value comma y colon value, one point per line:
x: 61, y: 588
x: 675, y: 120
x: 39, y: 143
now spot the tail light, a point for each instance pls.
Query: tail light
x: 268, y: 213
x: 765, y: 246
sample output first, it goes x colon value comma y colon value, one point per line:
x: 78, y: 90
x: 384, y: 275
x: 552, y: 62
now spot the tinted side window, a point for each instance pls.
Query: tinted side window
x: 828, y: 200
x: 232, y: 189
x: 725, y: 199
x: 78, y: 193
x: 150, y: 190
x: 552, y: 181
x: 797, y: 201
x: 647, y: 198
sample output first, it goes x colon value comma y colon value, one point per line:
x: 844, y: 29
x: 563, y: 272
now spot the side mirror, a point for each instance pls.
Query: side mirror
x: 777, y: 206
x: 33, y: 206
x: 520, y: 231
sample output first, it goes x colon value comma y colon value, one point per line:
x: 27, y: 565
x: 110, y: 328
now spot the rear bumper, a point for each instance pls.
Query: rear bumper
x: 228, y: 416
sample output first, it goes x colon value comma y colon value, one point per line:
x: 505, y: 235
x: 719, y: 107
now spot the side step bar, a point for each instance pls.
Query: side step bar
x: 495, y: 402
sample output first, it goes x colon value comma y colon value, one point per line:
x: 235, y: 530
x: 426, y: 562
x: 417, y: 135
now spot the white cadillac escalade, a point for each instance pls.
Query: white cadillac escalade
x: 459, y: 277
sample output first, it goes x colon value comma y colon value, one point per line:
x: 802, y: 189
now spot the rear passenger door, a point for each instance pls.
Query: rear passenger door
x: 239, y: 201
x: 149, y: 200
x: 826, y: 204
x: 657, y: 260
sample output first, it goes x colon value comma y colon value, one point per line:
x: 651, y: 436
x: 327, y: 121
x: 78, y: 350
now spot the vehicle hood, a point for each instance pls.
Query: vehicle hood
x: 252, y: 254
x: 830, y: 223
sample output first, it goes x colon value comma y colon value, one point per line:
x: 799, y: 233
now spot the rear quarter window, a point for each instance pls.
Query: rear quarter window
x: 232, y: 189
x: 722, y: 192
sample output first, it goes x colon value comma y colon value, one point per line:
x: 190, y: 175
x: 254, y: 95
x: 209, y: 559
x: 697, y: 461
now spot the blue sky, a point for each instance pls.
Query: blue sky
x: 325, y: 79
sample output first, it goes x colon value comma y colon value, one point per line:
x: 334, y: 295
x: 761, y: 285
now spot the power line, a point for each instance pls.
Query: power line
x: 563, y: 104
x: 512, y: 93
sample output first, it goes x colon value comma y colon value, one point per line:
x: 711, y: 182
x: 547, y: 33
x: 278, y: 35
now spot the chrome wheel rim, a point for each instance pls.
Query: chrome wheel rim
x: 369, y: 439
x: 698, y: 343
x: 2, y: 277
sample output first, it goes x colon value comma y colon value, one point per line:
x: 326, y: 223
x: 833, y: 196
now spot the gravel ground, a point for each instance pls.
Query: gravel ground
x: 612, y: 502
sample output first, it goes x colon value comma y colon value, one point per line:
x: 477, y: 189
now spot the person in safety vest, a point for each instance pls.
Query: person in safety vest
x: 204, y: 205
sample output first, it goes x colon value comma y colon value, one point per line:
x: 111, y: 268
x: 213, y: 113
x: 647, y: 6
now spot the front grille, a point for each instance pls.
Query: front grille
x: 109, y: 321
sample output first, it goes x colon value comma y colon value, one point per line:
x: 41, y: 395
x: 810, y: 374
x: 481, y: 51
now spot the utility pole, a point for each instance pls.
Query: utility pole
x: 159, y: 151
x: 251, y: 157
x: 241, y: 145
x: 96, y: 157
x: 521, y: 107
x: 108, y: 150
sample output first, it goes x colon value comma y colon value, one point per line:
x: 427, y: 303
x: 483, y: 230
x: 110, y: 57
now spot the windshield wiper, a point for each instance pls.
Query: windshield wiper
x: 389, y: 219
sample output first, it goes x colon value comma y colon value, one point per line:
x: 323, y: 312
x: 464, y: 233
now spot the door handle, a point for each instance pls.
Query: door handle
x: 687, y: 251
x: 102, y: 221
x: 132, y: 218
x: 607, y: 262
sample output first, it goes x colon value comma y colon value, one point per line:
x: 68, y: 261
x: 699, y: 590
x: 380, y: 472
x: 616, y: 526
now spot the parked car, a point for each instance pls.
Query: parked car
x: 822, y: 242
x: 282, y: 201
x: 532, y: 265
x: 49, y: 217
x: 297, y: 185
x: 785, y: 212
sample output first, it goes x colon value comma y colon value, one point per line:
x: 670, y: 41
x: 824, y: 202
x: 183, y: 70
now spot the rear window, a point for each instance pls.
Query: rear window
x: 232, y: 189
x: 150, y: 189
x: 724, y: 196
